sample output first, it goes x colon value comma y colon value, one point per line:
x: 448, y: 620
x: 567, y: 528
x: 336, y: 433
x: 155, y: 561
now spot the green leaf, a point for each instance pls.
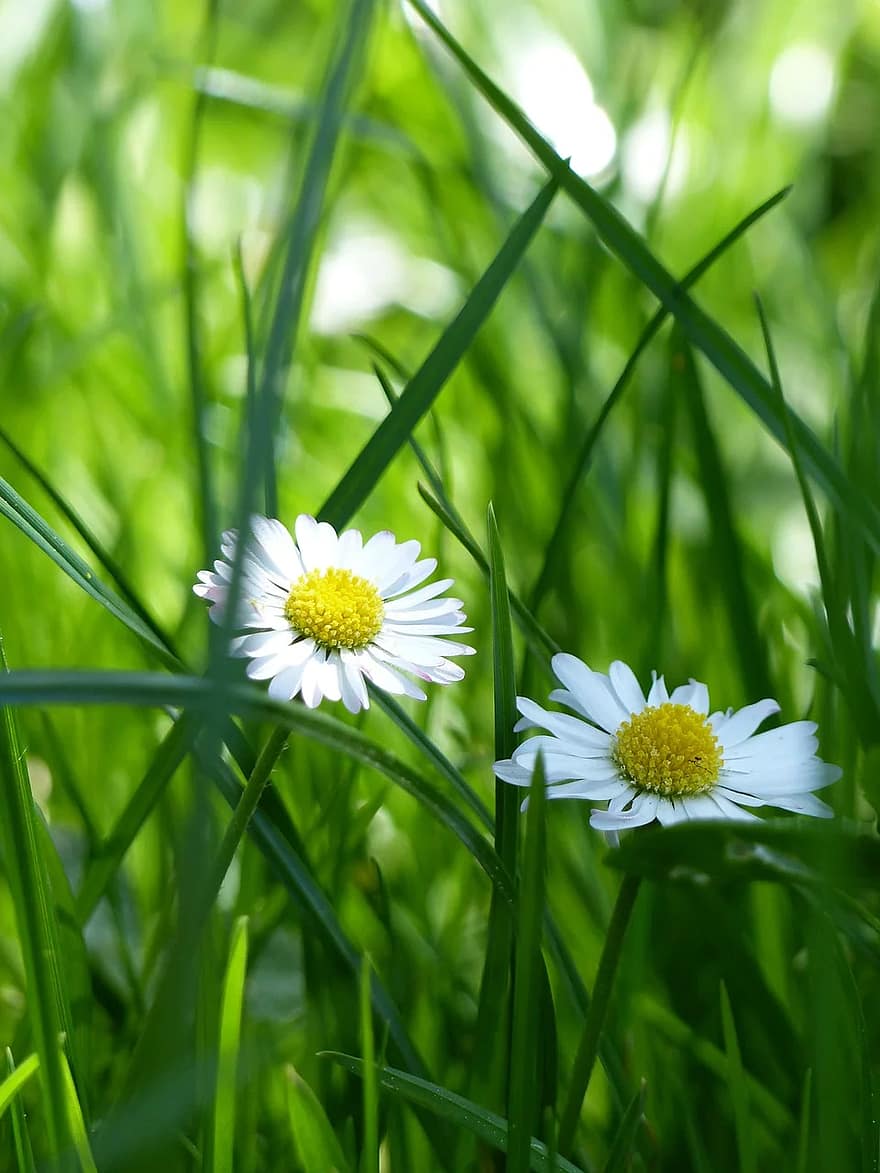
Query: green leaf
x: 226, y: 1094
x: 461, y: 1112
x: 620, y: 1157
x: 425, y: 385
x: 739, y: 1092
x: 77, y: 1124
x: 314, y: 1138
x: 716, y: 344
x: 16, y: 1079
x: 528, y: 990
x: 21, y: 1140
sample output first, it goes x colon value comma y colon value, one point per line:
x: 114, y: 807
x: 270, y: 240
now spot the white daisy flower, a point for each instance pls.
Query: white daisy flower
x: 664, y: 756
x: 327, y: 612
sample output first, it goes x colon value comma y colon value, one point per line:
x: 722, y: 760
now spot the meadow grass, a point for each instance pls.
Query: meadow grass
x: 284, y: 259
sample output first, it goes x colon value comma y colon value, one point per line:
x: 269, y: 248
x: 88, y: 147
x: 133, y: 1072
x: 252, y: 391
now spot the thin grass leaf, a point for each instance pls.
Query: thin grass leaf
x: 17, y: 1078
x: 21, y: 1141
x: 739, y: 1092
x: 803, y: 1154
x: 370, y: 1155
x: 78, y: 1131
x: 461, y: 1112
x: 425, y: 385
x: 37, y: 933
x: 225, y: 1100
x: 202, y: 695
x: 523, y: 1105
x: 314, y: 1138
x: 715, y: 343
x: 582, y: 463
x: 26, y: 519
x: 623, y: 1148
x: 354, y: 27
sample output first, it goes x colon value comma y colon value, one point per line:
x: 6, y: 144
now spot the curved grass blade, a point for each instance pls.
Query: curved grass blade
x: 620, y: 1157
x: 17, y: 1078
x: 78, y: 1130
x: 199, y: 694
x: 314, y: 1139
x: 461, y: 1112
x: 26, y: 519
x: 226, y: 1091
x: 728, y: 358
x: 21, y: 1141
x: 37, y: 932
x: 585, y: 455
x: 739, y: 1092
x: 425, y: 385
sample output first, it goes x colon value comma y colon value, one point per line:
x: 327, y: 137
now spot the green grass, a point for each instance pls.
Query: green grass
x: 317, y: 258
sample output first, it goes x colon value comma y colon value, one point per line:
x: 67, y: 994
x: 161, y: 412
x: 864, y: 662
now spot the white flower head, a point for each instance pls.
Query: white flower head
x: 664, y: 756
x: 328, y: 611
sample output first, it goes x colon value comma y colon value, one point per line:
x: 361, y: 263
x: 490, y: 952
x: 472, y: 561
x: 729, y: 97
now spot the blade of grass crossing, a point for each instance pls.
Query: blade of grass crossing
x: 421, y: 391
x: 314, y: 1138
x: 739, y: 1091
x: 370, y: 1158
x: 620, y: 1157
x: 226, y: 1090
x: 33, y: 913
x: 21, y: 1141
x: 16, y: 1078
x: 523, y: 1104
x: 461, y: 1112
x: 78, y: 1130
x: 716, y: 344
x: 354, y: 27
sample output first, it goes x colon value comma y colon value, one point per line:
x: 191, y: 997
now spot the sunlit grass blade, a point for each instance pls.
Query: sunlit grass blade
x: 581, y: 466
x: 37, y: 932
x: 354, y: 27
x: 78, y: 1131
x: 727, y: 550
x: 539, y: 640
x: 26, y: 519
x: 223, y: 1107
x: 527, y: 988
x: 21, y: 1141
x: 716, y: 344
x: 16, y: 1078
x: 314, y: 1138
x: 620, y: 1157
x: 739, y: 1092
x: 421, y: 391
x: 463, y: 1113
x: 200, y: 694
x: 370, y: 1155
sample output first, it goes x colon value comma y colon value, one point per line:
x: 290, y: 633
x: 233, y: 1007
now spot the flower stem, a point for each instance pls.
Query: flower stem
x: 588, y: 1047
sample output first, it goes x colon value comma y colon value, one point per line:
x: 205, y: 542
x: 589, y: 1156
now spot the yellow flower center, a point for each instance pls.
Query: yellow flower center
x: 669, y: 750
x: 336, y: 608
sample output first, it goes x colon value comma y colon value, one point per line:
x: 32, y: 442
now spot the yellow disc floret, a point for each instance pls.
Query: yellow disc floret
x: 336, y: 608
x: 669, y: 750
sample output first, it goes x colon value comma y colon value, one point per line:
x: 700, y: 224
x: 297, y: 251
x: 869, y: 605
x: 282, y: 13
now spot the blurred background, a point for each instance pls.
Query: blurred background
x: 148, y: 149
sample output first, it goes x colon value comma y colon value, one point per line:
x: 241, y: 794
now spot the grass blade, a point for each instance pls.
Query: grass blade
x: 21, y: 1141
x: 36, y: 932
x: 77, y: 1124
x: 425, y: 385
x: 527, y: 989
x: 226, y: 1093
x: 739, y: 1092
x: 370, y: 1155
x: 620, y: 1157
x: 461, y: 1112
x: 720, y: 349
x: 16, y: 1079
x: 314, y: 1140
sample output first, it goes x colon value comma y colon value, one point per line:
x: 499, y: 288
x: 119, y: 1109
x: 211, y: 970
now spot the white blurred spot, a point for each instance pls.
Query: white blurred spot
x: 21, y: 27
x: 794, y: 555
x: 365, y: 270
x: 553, y: 88
x: 90, y: 5
x: 645, y: 150
x: 801, y: 84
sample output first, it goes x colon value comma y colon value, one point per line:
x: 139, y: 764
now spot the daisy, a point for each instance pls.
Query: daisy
x: 664, y: 756
x: 327, y: 612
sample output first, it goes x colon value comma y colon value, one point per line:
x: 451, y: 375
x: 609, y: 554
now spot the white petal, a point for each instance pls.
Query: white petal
x: 587, y: 739
x: 658, y: 694
x: 354, y: 691
x: 311, y: 682
x: 410, y: 578
x: 508, y: 771
x: 804, y: 804
x: 423, y: 629
x: 670, y: 812
x: 793, y: 740
x: 387, y: 679
x: 416, y: 598
x: 592, y: 690
x: 792, y: 777
x: 729, y: 809
x: 592, y: 791
x: 376, y: 552
x: 560, y: 765
x: 422, y: 649
x: 694, y: 694
x: 397, y: 564
x: 623, y: 681
x: 261, y: 643
x: 317, y: 543
x: 732, y: 730
x: 348, y: 549
x: 643, y: 810
x: 286, y: 684
x: 277, y: 547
